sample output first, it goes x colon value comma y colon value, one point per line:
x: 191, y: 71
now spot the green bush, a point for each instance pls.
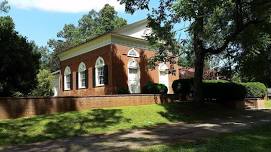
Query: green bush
x: 183, y: 87
x: 154, y: 88
x: 223, y: 90
x: 255, y: 89
x: 123, y: 91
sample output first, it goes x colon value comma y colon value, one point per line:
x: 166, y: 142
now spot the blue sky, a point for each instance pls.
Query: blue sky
x: 40, y: 20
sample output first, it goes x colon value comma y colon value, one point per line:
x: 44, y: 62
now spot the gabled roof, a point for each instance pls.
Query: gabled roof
x: 129, y: 26
x: 117, y: 31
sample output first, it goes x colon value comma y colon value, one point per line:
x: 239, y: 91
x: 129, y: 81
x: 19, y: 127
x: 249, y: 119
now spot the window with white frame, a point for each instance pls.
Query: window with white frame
x: 163, y: 74
x: 133, y: 76
x: 99, y: 71
x: 82, y: 75
x: 133, y: 53
x: 67, y: 78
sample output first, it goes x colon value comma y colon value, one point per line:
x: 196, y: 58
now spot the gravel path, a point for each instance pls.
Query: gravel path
x: 125, y: 141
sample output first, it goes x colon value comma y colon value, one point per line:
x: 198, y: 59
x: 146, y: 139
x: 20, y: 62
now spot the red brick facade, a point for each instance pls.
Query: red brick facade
x: 115, y: 57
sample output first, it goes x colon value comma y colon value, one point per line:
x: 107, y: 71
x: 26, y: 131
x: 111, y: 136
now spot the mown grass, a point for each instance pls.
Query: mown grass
x: 254, y: 140
x: 268, y: 104
x: 39, y: 128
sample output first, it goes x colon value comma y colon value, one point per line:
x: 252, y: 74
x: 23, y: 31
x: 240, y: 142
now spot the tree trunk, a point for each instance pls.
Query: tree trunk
x: 199, y: 60
x: 199, y: 65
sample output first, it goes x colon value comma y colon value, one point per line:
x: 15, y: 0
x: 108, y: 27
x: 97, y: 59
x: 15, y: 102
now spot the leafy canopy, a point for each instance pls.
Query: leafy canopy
x: 4, y: 6
x: 89, y: 26
x: 19, y: 64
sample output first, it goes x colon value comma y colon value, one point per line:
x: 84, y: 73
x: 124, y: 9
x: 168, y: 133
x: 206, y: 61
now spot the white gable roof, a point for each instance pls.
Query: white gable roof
x: 137, y: 30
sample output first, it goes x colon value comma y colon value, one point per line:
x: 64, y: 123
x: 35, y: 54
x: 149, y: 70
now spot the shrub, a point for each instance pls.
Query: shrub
x: 123, y: 91
x: 183, y: 87
x: 45, y: 84
x: 223, y: 90
x: 155, y: 88
x: 255, y: 89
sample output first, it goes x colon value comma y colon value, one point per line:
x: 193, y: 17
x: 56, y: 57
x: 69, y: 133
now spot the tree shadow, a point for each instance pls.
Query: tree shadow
x: 189, y: 112
x: 70, y: 124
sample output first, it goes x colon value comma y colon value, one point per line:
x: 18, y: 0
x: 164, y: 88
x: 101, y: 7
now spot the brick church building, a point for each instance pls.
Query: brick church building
x: 112, y: 61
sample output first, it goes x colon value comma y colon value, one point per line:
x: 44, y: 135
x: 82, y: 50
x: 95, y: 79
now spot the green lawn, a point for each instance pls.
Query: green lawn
x: 268, y: 104
x: 39, y: 128
x: 254, y: 140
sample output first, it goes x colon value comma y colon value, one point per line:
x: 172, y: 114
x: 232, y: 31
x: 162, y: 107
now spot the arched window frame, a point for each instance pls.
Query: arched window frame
x: 99, y: 71
x: 133, y: 65
x: 163, y: 68
x: 67, y: 78
x: 82, y: 76
x: 133, y: 53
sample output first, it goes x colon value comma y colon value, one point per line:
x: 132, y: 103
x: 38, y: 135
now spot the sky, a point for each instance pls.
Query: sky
x: 40, y: 20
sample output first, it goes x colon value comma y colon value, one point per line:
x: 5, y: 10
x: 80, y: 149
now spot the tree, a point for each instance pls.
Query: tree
x: 44, y: 86
x: 4, y: 6
x: 215, y: 26
x: 19, y: 64
x: 256, y: 67
x: 89, y: 26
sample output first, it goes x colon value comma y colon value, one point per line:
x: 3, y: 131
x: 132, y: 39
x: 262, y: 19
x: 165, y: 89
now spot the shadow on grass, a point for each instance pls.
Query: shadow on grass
x: 41, y: 128
x: 250, y: 140
x: 188, y: 112
x: 99, y: 120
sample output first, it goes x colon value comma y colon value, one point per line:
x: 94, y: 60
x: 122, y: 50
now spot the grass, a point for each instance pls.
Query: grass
x: 257, y: 139
x: 40, y: 128
x: 268, y: 104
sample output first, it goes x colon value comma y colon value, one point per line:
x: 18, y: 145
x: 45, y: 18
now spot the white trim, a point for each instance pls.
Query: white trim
x: 134, y: 51
x: 67, y: 72
x: 81, y: 68
x: 87, y: 47
x: 102, y: 41
x: 97, y: 66
x: 133, y: 64
x: 163, y: 68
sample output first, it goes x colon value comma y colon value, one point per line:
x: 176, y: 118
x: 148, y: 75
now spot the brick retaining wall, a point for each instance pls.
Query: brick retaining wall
x: 29, y: 106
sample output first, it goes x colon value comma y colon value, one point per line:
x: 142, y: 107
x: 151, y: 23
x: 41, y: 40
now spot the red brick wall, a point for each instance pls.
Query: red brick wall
x: 115, y: 57
x: 22, y: 107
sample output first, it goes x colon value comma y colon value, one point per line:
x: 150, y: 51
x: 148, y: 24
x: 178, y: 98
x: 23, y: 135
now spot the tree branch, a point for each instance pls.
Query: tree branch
x: 232, y: 37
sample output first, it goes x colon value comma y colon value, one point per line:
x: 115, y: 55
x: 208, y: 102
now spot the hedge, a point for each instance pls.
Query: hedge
x: 155, y: 88
x: 255, y: 89
x: 221, y: 89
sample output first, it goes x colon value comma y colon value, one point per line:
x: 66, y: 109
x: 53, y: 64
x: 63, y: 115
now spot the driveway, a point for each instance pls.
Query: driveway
x: 129, y: 140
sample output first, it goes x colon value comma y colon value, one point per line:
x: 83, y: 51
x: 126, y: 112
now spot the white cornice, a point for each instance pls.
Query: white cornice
x: 102, y: 41
x: 87, y: 47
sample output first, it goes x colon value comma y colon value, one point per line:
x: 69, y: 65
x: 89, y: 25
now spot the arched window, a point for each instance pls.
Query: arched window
x: 82, y: 75
x: 67, y: 78
x: 133, y: 53
x: 99, y: 71
x: 163, y: 74
x: 133, y: 76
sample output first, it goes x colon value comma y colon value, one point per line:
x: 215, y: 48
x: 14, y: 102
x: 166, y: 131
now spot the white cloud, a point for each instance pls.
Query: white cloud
x: 66, y: 6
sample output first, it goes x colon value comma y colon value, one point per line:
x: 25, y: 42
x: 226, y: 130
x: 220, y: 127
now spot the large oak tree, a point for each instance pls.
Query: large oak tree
x: 215, y: 26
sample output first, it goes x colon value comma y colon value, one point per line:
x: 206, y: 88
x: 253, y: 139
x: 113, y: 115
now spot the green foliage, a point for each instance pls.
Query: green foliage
x: 4, y: 7
x: 223, y: 90
x: 256, y: 66
x: 183, y: 87
x: 154, y: 88
x: 19, y: 64
x: 44, y: 86
x: 255, y: 89
x: 89, y: 26
x: 123, y: 91
x: 216, y: 26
